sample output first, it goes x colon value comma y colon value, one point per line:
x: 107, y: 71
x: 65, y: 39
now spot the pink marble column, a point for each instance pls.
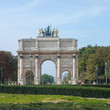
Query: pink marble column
x: 21, y: 66
x: 74, y: 66
x: 58, y: 79
x: 36, y: 68
x: 58, y: 67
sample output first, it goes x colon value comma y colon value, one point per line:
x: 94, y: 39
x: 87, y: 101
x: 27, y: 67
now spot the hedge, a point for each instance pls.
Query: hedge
x: 55, y: 106
x: 97, y: 85
x: 96, y: 92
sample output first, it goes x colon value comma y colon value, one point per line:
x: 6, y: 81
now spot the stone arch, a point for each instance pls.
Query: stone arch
x: 45, y: 57
x: 64, y: 74
x: 66, y: 69
x: 46, y: 60
x: 48, y: 67
x: 53, y: 59
x: 29, y: 78
x: 27, y: 69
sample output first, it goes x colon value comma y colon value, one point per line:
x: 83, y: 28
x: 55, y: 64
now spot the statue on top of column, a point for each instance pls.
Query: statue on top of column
x: 39, y: 32
x: 56, y: 31
x: 48, y: 32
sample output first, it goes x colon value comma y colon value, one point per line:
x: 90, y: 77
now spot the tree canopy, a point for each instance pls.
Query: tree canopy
x: 91, y: 57
x: 47, y: 79
x: 8, y: 63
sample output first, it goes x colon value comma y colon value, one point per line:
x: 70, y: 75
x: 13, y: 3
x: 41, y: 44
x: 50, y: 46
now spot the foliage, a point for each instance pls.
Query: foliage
x: 56, y: 106
x: 13, y: 61
x: 97, y: 85
x: 47, y: 79
x: 9, y: 64
x: 90, y: 58
x: 84, y: 54
x: 81, y: 91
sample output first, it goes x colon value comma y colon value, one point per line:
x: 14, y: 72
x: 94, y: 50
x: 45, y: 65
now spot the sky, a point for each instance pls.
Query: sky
x: 88, y: 21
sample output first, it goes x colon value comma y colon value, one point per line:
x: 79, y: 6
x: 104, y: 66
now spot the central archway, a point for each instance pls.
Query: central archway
x: 48, y: 70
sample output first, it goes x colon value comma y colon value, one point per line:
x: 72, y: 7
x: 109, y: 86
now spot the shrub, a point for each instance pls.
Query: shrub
x: 55, y: 106
x: 81, y: 91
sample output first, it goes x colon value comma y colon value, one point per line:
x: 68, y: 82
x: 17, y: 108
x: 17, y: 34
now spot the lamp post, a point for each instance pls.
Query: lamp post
x: 106, y: 71
x: 30, y: 68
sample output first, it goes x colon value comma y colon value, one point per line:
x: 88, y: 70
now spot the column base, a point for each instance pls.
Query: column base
x: 20, y: 82
x: 36, y: 81
x: 73, y: 81
x: 58, y: 81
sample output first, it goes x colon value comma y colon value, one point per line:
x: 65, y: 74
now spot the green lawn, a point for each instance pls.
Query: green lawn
x: 27, y: 98
x: 77, y: 102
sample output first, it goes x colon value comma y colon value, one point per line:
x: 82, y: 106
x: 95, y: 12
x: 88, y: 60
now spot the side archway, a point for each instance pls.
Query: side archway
x: 29, y: 77
x: 66, y: 77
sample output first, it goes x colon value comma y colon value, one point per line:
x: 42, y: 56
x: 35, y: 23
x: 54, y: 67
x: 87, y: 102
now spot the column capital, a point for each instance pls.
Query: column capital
x: 21, y: 56
x: 37, y: 55
x: 74, y: 56
x: 58, y: 55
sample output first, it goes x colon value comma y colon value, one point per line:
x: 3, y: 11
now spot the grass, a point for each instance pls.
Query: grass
x: 53, y: 101
x: 27, y: 98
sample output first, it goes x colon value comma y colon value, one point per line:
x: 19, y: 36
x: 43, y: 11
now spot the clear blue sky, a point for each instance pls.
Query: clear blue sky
x: 86, y: 20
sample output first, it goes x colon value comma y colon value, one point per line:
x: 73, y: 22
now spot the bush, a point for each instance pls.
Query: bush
x: 99, y: 85
x: 55, y: 106
x: 81, y: 91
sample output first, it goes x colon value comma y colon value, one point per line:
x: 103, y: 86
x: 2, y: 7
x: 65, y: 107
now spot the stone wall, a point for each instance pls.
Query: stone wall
x: 45, y: 43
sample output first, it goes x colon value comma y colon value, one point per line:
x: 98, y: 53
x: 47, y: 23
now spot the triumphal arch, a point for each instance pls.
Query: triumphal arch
x: 47, y: 46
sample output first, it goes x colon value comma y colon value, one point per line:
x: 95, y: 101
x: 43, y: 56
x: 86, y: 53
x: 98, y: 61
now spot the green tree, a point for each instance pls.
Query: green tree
x: 98, y: 60
x: 5, y: 65
x: 13, y: 62
x: 47, y: 79
x: 9, y: 64
x: 84, y: 54
x: 90, y: 58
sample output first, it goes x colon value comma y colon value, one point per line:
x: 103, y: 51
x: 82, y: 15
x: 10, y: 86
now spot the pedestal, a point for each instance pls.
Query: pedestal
x: 20, y: 82
x: 73, y: 81
x: 58, y: 81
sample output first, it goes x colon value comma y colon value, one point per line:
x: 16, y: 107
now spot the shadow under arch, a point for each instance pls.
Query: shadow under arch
x: 66, y: 77
x: 29, y: 77
x: 48, y: 66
